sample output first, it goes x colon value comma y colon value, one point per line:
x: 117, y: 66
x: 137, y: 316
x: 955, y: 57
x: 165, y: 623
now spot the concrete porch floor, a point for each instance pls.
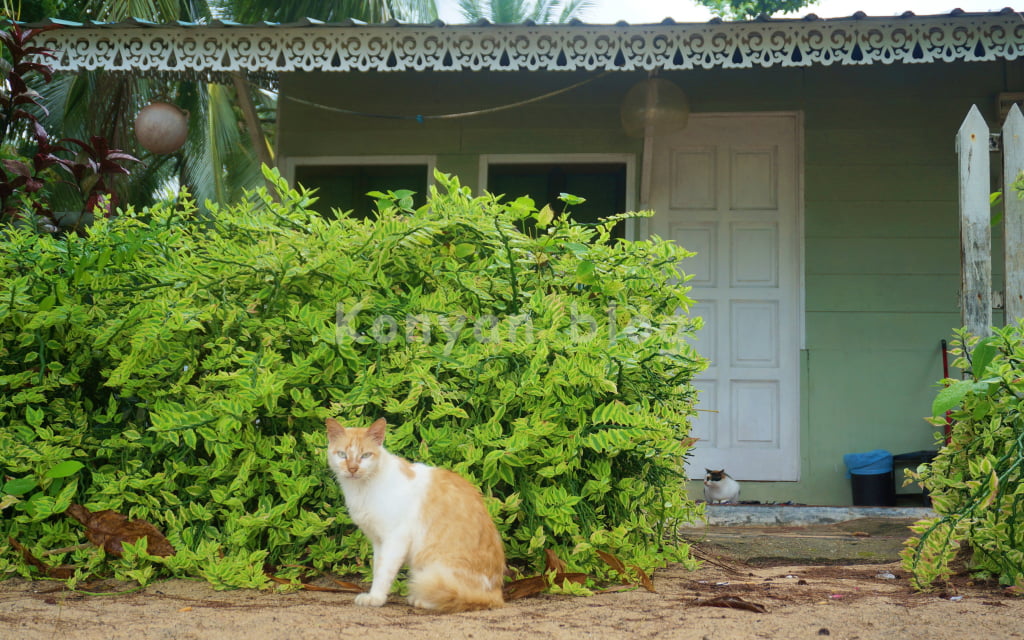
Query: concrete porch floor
x: 782, y: 534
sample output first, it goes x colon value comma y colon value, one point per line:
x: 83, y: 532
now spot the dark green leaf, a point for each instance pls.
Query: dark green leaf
x: 952, y: 395
x: 984, y: 352
x: 464, y: 250
x: 20, y: 486
x: 64, y: 469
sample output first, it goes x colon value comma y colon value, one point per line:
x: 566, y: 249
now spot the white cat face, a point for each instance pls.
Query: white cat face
x: 354, y: 453
x: 353, y: 462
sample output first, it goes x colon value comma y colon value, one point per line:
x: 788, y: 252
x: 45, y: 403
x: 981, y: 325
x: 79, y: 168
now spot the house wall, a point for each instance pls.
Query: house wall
x: 881, y: 263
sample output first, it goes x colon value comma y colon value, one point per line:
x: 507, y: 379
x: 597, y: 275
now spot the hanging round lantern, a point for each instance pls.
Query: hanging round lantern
x: 654, y: 105
x: 161, y: 127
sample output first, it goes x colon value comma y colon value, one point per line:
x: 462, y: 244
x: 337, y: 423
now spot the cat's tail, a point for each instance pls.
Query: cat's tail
x: 446, y: 590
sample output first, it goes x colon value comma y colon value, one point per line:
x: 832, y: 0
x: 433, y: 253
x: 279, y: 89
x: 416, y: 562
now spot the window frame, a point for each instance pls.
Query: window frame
x: 632, y: 229
x: 290, y: 164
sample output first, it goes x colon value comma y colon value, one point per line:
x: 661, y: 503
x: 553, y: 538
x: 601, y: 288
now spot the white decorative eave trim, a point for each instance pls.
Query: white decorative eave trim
x: 217, y: 48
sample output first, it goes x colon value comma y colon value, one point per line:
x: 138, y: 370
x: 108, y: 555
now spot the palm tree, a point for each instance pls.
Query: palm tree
x: 220, y: 159
x: 247, y: 11
x: 518, y: 11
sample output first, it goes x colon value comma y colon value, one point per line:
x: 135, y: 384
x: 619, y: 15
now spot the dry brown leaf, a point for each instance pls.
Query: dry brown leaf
x: 732, y: 602
x: 525, y: 587
x: 642, y: 578
x: 576, y: 578
x: 349, y: 586
x: 346, y: 587
x: 553, y: 563
x: 645, y: 580
x: 63, y: 572
x: 110, y: 530
x: 613, y: 562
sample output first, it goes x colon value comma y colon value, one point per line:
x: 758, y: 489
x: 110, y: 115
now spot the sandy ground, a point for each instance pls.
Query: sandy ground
x: 850, y: 602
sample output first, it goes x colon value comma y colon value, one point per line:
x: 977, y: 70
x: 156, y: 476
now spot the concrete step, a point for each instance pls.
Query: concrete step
x: 784, y: 534
x: 796, y: 515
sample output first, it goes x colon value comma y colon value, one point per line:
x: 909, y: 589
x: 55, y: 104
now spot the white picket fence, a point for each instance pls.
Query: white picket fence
x: 972, y: 145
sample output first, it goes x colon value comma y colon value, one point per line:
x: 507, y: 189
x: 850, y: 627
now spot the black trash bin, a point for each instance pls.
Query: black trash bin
x: 871, y: 478
x: 911, y: 460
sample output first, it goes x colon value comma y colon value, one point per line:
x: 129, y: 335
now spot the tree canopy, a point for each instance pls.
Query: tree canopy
x: 519, y: 11
x: 749, y: 9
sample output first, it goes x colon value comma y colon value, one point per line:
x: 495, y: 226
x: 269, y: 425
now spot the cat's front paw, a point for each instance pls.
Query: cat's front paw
x: 370, y: 600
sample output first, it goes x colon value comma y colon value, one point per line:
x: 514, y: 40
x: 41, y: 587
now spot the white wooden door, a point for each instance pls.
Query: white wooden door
x: 728, y: 187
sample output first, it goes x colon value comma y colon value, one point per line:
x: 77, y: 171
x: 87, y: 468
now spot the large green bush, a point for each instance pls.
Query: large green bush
x: 977, y: 480
x: 179, y: 370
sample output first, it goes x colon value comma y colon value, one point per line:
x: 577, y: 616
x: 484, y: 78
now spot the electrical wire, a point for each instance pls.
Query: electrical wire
x: 446, y: 116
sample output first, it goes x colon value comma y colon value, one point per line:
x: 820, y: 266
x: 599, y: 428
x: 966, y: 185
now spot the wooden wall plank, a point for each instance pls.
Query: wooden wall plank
x: 1013, y: 217
x: 912, y: 294
x: 883, y: 256
x: 975, y: 237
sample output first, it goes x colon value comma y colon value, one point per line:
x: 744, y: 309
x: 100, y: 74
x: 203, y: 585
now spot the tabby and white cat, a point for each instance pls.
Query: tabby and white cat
x: 720, y: 487
x: 428, y: 518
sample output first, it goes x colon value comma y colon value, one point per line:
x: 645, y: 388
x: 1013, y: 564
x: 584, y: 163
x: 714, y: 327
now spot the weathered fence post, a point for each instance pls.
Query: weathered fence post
x: 1013, y: 216
x: 975, y: 239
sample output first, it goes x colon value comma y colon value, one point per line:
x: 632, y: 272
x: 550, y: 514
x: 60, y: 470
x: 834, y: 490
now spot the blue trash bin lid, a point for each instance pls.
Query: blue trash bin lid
x: 868, y: 463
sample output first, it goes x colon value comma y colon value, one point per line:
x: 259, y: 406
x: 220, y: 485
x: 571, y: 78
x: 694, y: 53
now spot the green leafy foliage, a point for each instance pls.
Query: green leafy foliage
x: 27, y: 182
x: 752, y: 9
x: 178, y: 369
x: 975, y: 482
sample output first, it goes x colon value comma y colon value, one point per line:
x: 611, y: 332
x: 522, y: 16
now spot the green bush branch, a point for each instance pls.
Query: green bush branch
x: 187, y: 365
x: 976, y: 480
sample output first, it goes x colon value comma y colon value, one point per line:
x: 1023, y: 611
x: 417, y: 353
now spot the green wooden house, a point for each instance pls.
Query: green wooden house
x: 815, y: 177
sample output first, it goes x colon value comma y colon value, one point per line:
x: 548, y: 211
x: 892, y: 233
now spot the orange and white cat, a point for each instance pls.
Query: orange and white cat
x: 428, y: 518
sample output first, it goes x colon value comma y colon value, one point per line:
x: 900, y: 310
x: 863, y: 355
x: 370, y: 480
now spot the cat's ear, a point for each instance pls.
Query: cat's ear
x: 376, y: 430
x: 334, y: 430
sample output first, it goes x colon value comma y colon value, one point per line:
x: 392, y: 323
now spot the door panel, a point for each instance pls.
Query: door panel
x: 728, y: 187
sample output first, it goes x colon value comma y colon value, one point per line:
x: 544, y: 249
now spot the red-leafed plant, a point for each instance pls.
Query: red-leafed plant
x: 30, y: 159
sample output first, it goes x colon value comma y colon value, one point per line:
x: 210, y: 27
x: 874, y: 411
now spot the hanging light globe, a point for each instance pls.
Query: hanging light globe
x: 161, y: 127
x: 654, y: 105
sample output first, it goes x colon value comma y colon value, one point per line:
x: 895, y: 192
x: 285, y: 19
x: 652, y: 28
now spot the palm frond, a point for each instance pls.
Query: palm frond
x: 574, y: 9
x: 421, y: 11
x: 155, y: 10
x: 510, y: 11
x: 219, y: 163
x: 519, y: 11
x: 248, y: 11
x: 473, y: 10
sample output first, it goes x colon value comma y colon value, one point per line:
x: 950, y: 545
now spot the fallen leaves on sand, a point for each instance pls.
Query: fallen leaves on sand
x: 63, y: 572
x: 111, y: 530
x: 553, y: 563
x: 344, y: 587
x: 613, y: 562
x: 645, y: 580
x: 534, y: 585
x: 732, y: 602
x: 555, y: 573
x: 525, y: 587
x: 617, y: 565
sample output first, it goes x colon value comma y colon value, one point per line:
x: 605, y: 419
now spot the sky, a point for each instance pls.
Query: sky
x: 651, y: 11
